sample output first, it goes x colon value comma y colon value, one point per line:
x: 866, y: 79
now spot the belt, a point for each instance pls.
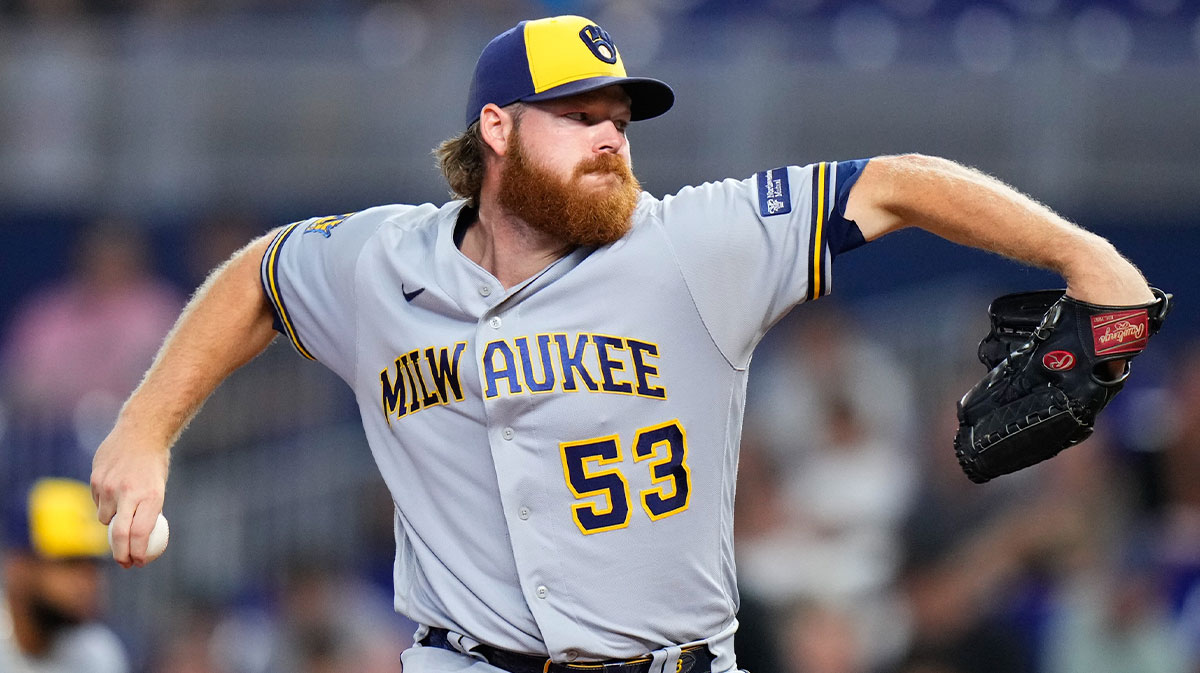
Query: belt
x: 693, y: 659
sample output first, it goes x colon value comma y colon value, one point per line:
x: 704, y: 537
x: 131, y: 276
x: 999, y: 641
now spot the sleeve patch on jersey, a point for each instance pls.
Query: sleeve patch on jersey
x: 774, y: 196
x: 325, y: 225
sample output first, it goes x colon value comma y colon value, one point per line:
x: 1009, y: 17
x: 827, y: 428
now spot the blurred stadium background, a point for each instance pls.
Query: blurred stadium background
x: 142, y: 141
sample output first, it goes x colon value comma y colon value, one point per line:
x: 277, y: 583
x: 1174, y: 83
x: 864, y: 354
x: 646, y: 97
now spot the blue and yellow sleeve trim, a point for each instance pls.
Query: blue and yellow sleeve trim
x: 270, y: 279
x: 818, y: 281
x: 831, y: 233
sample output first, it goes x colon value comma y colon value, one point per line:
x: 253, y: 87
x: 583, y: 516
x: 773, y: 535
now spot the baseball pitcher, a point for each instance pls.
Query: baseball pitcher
x: 551, y: 368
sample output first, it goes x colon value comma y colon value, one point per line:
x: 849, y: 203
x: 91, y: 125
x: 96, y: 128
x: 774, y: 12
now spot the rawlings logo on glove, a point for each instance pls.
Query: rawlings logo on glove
x: 1047, y: 380
x: 1123, y: 332
x: 1058, y: 361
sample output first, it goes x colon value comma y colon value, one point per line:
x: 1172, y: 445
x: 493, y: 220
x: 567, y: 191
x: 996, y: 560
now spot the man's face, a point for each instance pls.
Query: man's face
x: 567, y: 171
x: 68, y: 591
x: 58, y: 593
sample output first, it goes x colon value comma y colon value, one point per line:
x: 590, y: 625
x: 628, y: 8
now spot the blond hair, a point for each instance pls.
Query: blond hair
x: 460, y: 158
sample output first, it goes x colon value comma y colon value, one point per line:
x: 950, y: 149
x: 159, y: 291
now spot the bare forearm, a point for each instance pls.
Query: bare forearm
x: 965, y: 206
x: 225, y: 324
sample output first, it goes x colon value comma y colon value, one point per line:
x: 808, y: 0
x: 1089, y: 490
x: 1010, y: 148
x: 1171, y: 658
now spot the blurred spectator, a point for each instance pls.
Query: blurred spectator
x: 759, y: 512
x: 332, y: 622
x: 1108, y: 611
x: 321, y: 620
x: 185, y: 645
x: 814, y: 357
x: 848, y: 497
x: 1114, y: 619
x: 52, y: 584
x: 1049, y: 569
x: 824, y: 526
x: 823, y: 638
x: 92, y: 334
x: 966, y: 547
x: 1181, y: 513
x: 959, y: 604
x: 76, y: 349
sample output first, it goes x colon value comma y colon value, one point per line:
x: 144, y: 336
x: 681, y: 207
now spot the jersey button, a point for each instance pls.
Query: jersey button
x: 570, y: 655
x: 495, y: 322
x: 523, y: 513
x: 485, y: 290
x: 542, y: 592
x: 508, y: 433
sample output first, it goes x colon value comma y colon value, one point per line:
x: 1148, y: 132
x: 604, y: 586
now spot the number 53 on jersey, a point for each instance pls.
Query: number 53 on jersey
x: 593, y: 468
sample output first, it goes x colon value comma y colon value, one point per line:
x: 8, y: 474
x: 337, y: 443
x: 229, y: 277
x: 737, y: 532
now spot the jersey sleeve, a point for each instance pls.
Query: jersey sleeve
x: 308, y: 274
x: 752, y: 249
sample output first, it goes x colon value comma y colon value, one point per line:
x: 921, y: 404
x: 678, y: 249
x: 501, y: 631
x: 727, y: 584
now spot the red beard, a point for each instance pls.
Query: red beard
x: 564, y: 209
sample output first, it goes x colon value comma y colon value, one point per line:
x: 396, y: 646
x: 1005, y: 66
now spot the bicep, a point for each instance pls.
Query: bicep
x: 232, y: 299
x: 237, y: 283
x: 250, y: 273
x: 873, y: 202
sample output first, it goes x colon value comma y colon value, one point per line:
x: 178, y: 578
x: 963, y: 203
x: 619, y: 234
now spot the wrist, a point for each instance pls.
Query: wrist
x: 150, y: 430
x: 1096, y: 273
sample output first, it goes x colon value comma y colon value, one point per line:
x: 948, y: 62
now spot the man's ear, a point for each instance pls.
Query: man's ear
x: 495, y: 127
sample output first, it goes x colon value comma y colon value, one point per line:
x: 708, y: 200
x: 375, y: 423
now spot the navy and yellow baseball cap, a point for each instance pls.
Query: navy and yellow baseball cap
x: 59, y: 521
x: 555, y: 57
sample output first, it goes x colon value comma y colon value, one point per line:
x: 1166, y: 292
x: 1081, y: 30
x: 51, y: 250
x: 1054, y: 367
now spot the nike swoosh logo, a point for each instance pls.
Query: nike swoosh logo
x: 409, y: 296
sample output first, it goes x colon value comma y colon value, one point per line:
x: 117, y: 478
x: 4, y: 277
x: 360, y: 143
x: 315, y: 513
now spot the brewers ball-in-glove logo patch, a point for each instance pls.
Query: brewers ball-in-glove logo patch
x: 597, y: 39
x: 324, y: 225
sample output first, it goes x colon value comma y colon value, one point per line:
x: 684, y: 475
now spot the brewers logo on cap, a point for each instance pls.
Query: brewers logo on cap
x: 555, y: 57
x: 597, y: 39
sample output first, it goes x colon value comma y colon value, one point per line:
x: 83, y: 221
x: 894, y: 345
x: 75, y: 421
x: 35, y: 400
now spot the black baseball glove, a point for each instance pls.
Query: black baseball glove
x: 1049, y: 376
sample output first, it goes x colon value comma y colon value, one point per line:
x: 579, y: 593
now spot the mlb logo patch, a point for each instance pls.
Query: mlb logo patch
x: 774, y: 197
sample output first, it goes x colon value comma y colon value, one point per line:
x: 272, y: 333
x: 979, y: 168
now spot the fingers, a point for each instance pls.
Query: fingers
x: 128, y: 484
x: 1116, y: 370
x: 130, y: 532
x: 106, y: 507
x: 144, y: 518
x: 119, y: 536
x: 104, y: 484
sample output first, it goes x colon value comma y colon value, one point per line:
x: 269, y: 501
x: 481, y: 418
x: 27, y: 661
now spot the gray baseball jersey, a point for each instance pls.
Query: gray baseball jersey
x: 562, y: 454
x: 87, y: 647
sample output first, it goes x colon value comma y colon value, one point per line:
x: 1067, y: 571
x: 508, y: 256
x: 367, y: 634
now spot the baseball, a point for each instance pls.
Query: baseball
x: 158, y: 538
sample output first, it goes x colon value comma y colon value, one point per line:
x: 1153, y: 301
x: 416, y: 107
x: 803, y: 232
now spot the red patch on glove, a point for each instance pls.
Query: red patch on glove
x: 1058, y: 361
x: 1121, y: 332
